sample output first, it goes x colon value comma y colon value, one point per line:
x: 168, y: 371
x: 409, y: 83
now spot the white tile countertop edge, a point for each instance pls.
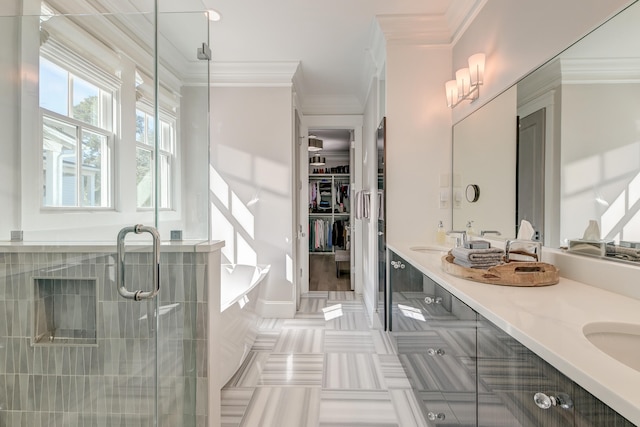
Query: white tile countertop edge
x: 549, y: 321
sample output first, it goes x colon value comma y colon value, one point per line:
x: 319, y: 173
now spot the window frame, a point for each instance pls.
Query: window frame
x: 109, y: 114
x: 80, y: 127
x: 172, y: 121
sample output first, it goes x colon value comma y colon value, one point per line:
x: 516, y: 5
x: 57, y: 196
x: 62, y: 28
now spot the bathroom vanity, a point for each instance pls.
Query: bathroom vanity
x: 488, y: 355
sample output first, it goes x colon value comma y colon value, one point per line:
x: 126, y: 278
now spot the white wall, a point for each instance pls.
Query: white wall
x: 418, y: 141
x: 519, y: 36
x: 194, y: 135
x: 484, y: 154
x: 9, y: 122
x: 252, y: 170
x: 600, y: 154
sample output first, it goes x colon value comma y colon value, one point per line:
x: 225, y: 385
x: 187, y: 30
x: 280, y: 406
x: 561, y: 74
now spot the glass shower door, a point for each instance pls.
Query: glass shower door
x: 91, y: 137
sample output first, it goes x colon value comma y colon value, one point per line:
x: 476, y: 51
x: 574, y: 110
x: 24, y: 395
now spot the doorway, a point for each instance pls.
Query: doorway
x: 330, y: 208
x: 530, y: 172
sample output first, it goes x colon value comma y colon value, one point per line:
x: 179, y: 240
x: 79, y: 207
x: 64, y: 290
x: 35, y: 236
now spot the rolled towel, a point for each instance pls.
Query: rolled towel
x: 477, y: 255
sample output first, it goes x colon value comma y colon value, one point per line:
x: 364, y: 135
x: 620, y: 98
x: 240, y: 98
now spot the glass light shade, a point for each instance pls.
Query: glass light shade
x: 316, y: 161
x: 476, y: 68
x: 315, y: 144
x: 464, y: 82
x: 451, y: 88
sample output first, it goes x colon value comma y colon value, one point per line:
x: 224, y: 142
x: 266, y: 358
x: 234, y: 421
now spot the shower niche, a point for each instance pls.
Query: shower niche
x: 64, y: 311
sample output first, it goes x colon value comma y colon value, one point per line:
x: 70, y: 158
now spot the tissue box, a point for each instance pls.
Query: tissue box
x: 589, y: 247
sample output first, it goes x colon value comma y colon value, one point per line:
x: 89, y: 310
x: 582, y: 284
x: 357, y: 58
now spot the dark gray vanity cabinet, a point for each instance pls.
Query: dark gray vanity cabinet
x: 466, y: 371
x: 510, y: 375
x: 435, y: 335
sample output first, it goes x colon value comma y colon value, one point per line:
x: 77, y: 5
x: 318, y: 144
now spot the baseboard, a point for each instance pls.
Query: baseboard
x: 276, y: 309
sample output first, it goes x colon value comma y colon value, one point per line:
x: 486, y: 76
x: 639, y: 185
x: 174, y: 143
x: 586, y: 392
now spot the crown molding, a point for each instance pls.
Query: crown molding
x: 331, y: 104
x: 573, y: 71
x: 541, y: 81
x: 415, y: 29
x: 461, y: 14
x: 253, y: 73
x: 600, y: 70
x: 430, y: 29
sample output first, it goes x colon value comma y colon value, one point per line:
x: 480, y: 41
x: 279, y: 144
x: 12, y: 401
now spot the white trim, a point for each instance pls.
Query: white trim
x: 253, y: 73
x: 66, y: 58
x: 600, y: 70
x: 276, y: 309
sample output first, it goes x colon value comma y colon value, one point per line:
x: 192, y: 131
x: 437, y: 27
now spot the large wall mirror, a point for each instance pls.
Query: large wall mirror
x: 576, y: 154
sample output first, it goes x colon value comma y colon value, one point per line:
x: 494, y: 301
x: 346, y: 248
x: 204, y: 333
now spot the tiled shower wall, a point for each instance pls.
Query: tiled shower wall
x: 109, y: 383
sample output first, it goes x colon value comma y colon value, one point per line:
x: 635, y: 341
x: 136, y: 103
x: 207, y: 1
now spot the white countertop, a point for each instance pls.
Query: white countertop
x: 549, y: 321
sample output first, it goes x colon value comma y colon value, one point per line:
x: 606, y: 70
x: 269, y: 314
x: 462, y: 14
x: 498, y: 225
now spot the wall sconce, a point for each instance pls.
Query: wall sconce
x: 466, y: 86
x: 315, y: 144
x: 316, y: 161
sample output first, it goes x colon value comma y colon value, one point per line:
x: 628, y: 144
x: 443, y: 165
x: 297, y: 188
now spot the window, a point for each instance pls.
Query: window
x: 146, y: 155
x: 77, y: 139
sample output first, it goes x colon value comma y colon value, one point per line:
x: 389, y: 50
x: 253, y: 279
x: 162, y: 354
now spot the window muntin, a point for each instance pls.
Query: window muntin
x: 77, y: 139
x: 145, y: 159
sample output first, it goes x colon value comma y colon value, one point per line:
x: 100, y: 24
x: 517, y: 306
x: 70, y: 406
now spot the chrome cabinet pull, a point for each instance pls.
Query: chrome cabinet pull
x: 433, y: 300
x: 397, y: 265
x: 435, y: 416
x: 122, y: 289
x: 433, y: 352
x: 545, y: 402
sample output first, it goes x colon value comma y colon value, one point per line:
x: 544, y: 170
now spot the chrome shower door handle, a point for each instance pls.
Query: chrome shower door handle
x: 122, y: 289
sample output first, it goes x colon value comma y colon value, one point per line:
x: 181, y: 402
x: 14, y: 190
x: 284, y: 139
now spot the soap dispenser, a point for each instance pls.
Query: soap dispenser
x: 470, y: 230
x: 441, y: 235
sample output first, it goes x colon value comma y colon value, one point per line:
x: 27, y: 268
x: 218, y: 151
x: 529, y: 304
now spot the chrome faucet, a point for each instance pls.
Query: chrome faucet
x: 460, y: 241
x: 496, y: 232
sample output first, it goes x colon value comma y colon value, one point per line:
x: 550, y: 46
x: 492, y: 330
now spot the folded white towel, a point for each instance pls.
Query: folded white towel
x: 479, y: 265
x: 477, y: 255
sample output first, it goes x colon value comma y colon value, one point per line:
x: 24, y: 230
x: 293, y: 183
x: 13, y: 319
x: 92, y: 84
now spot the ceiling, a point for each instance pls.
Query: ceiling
x: 334, y: 41
x: 331, y: 49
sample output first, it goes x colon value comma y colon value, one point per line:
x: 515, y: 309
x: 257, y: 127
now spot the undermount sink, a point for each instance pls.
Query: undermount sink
x: 433, y: 249
x: 619, y: 340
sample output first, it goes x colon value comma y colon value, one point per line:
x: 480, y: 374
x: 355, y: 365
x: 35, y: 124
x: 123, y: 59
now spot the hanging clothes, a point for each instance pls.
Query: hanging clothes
x: 320, y: 235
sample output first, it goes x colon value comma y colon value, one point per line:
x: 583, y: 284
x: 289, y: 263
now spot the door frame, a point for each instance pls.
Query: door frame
x: 351, y: 122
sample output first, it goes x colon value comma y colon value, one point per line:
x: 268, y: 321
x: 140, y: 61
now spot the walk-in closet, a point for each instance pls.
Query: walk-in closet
x: 330, y: 207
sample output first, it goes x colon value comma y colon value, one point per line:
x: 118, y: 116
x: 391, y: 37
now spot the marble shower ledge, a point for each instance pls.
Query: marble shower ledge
x: 549, y: 321
x: 108, y: 247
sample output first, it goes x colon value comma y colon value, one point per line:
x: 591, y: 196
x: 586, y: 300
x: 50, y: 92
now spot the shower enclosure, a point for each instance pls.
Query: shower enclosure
x: 105, y: 127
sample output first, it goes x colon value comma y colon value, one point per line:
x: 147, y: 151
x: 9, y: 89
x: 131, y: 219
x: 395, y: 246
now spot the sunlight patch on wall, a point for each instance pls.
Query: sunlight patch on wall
x: 236, y: 163
x: 242, y: 215
x: 223, y: 230
x: 621, y: 161
x: 581, y: 175
x: 218, y: 187
x: 634, y: 190
x: 289, y: 269
x: 245, y: 254
x: 272, y: 176
x: 631, y: 229
x: 613, y: 215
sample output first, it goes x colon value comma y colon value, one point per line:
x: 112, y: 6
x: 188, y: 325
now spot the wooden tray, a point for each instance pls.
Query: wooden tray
x: 511, y: 274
